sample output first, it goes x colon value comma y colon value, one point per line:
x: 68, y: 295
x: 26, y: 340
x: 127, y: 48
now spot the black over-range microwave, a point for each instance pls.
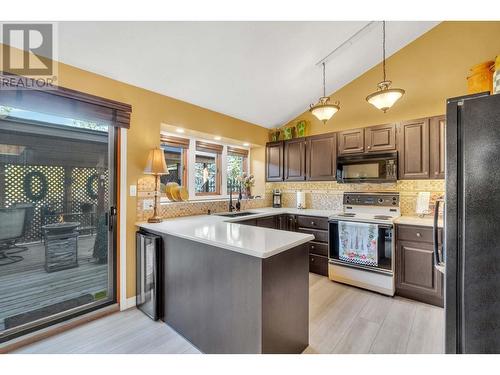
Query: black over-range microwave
x: 368, y: 168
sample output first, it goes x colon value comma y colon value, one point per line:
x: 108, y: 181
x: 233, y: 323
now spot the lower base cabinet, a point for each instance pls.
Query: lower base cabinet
x: 318, y: 249
x: 416, y: 276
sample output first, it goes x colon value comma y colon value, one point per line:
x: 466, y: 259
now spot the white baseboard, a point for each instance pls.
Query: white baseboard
x: 127, y: 303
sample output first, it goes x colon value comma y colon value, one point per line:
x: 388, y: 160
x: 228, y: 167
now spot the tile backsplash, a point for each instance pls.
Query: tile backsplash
x: 319, y: 195
x: 145, y: 191
x: 328, y: 195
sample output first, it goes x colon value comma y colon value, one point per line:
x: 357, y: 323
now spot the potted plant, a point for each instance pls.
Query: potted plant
x: 246, y: 181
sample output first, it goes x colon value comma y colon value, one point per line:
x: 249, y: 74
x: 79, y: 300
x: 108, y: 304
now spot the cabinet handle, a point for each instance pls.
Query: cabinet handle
x: 312, y: 259
x: 436, y: 173
x: 312, y: 247
x: 419, y: 234
x: 313, y: 223
x: 369, y: 147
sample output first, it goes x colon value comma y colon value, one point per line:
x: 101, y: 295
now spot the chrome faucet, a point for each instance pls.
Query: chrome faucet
x: 231, y: 207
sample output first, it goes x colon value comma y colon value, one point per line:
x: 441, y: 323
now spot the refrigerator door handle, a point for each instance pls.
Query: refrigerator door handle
x: 438, y: 263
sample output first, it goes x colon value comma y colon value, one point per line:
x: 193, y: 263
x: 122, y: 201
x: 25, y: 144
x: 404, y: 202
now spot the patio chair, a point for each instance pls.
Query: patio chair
x: 13, y: 224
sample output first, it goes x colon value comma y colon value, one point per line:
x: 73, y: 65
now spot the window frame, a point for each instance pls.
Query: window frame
x: 218, y: 174
x: 245, y: 168
x: 184, y: 157
x: 190, y: 150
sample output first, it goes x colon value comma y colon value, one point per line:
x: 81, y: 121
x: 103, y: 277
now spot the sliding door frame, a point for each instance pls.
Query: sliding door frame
x: 114, y: 168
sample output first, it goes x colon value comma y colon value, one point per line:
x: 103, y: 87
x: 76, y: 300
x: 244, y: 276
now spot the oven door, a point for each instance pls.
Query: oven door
x: 385, y: 249
x: 367, y: 168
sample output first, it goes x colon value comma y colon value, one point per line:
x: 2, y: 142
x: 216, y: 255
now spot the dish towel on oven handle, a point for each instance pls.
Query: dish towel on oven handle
x: 358, y: 243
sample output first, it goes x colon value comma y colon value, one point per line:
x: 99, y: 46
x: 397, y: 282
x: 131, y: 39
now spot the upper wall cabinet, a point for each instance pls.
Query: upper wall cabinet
x: 437, y: 146
x: 351, y: 142
x: 413, y: 144
x: 322, y: 157
x: 295, y: 160
x: 274, y: 161
x: 380, y: 138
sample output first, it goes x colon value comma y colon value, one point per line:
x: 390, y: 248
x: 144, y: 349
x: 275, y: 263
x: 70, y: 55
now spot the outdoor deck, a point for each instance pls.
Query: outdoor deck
x: 26, y: 286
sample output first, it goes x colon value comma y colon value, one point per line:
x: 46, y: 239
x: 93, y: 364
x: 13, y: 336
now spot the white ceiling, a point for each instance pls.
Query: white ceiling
x: 261, y: 72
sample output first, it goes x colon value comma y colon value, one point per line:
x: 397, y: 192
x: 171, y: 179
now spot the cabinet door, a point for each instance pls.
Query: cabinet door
x: 274, y: 161
x: 416, y: 276
x: 413, y: 144
x: 380, y: 138
x: 322, y: 157
x: 437, y: 146
x: 351, y: 142
x: 267, y: 222
x: 289, y: 222
x: 295, y: 160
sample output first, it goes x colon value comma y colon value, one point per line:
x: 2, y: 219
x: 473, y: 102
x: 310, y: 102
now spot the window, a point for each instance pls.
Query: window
x: 207, y: 170
x: 175, y: 151
x: 207, y: 176
x: 237, y: 164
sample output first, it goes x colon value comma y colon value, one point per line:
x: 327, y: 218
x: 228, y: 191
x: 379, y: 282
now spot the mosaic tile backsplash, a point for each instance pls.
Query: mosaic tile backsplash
x: 319, y: 195
x: 145, y: 190
x: 328, y: 195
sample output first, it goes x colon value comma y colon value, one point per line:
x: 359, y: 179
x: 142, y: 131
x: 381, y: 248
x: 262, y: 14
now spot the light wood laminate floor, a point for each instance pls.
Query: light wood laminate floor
x: 343, y: 319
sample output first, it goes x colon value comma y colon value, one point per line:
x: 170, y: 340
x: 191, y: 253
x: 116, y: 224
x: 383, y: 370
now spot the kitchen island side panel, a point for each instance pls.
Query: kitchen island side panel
x: 285, y: 301
x: 212, y: 296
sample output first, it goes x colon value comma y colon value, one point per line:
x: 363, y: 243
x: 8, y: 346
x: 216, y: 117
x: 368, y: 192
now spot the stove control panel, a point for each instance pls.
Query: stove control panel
x: 372, y: 199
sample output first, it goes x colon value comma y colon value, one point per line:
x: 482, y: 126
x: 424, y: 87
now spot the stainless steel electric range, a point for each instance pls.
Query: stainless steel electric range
x: 361, y: 246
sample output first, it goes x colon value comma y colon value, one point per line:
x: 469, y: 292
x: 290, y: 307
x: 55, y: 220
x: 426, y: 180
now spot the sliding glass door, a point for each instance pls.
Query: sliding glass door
x: 57, y: 199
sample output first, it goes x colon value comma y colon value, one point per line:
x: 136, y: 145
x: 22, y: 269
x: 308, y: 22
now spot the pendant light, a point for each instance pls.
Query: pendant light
x: 323, y: 110
x: 385, y: 97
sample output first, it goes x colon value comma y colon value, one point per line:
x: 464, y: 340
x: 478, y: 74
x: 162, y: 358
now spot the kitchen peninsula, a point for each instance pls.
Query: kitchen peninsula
x: 234, y: 288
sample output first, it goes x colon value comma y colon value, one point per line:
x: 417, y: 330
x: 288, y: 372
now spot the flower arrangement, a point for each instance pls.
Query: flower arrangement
x: 246, y: 181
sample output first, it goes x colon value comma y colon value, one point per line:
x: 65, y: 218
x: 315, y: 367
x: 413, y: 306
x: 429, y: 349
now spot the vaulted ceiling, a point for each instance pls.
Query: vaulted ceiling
x: 261, y: 72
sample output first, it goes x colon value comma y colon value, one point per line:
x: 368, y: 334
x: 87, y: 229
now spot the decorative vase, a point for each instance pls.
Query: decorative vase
x: 301, y: 128
x: 275, y: 135
x: 288, y: 133
x: 480, y: 78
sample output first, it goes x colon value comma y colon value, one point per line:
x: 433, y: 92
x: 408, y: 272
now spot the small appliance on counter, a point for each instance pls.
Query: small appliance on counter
x: 276, y: 198
x: 301, y: 200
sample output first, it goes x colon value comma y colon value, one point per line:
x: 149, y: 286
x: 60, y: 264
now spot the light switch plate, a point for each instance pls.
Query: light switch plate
x: 133, y: 190
x: 147, y: 204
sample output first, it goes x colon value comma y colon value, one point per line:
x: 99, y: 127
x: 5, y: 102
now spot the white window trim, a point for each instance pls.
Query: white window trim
x: 191, y: 161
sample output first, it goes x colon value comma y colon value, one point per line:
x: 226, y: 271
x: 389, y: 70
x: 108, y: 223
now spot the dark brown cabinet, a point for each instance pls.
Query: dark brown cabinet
x: 267, y: 222
x: 416, y: 276
x: 295, y: 160
x: 351, y: 142
x: 322, y: 157
x: 380, y: 138
x: 413, y: 144
x: 274, y: 161
x: 437, y: 146
x: 318, y: 249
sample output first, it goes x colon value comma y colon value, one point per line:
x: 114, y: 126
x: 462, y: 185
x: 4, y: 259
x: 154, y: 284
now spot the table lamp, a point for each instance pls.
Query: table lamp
x: 156, y: 166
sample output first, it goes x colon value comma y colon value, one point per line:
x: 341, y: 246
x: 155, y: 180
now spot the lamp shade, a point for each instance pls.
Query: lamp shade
x: 156, y: 162
x: 385, y: 97
x: 323, y: 110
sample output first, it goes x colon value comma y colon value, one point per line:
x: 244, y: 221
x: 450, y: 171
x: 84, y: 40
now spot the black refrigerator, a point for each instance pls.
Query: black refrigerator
x: 472, y: 225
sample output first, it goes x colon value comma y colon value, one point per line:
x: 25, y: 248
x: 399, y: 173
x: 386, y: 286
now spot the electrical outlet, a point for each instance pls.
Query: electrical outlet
x: 147, y: 204
x: 133, y: 190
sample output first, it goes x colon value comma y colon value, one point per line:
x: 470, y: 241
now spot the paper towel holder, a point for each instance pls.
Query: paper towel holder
x: 301, y: 200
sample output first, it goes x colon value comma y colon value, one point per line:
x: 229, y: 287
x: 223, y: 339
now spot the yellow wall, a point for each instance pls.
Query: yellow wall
x: 149, y: 110
x: 431, y: 69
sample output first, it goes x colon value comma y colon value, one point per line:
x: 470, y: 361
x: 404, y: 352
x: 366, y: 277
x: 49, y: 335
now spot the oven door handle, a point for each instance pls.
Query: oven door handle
x: 383, y: 226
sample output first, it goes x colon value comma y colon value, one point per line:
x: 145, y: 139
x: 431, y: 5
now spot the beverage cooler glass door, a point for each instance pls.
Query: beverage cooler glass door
x: 148, y: 274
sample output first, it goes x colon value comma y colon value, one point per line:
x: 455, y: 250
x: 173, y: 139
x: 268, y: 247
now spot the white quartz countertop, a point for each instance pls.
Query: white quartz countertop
x: 225, y: 232
x: 419, y: 221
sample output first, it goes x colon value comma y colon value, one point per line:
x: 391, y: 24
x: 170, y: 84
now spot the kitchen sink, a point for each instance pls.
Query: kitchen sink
x: 237, y: 214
